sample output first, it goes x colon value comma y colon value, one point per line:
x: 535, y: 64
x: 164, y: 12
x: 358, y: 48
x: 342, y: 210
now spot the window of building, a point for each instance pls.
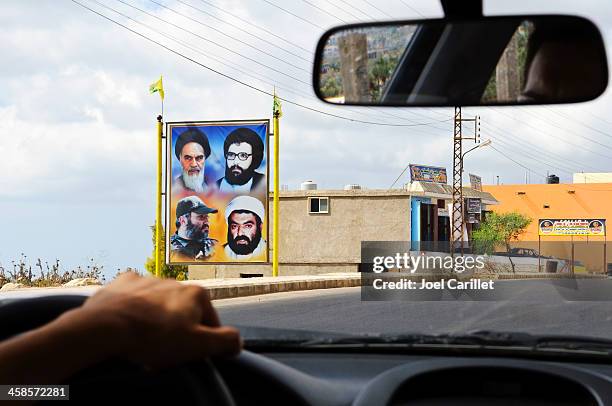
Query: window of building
x: 318, y: 205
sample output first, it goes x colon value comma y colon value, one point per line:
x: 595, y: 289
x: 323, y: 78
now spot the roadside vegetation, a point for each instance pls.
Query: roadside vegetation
x: 44, y: 274
x: 178, y: 272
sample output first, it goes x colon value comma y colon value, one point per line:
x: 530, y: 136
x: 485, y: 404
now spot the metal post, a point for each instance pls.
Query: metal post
x: 539, y: 252
x: 572, y: 254
x: 158, y: 215
x: 275, y: 236
x: 457, y: 214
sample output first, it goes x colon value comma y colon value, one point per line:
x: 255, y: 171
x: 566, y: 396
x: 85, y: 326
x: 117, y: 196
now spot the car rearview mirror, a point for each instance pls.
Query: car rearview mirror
x: 511, y: 60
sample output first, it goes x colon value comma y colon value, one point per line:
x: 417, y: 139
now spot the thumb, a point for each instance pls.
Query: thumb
x: 216, y: 341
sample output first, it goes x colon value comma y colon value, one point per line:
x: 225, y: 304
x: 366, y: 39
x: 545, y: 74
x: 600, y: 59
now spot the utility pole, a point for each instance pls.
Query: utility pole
x: 457, y: 214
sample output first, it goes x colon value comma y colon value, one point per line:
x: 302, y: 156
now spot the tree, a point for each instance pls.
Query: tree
x: 380, y: 73
x: 331, y: 88
x: 499, y: 229
x: 178, y: 272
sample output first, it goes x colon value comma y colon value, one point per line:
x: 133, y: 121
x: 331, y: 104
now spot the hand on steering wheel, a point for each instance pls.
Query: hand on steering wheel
x: 146, y: 321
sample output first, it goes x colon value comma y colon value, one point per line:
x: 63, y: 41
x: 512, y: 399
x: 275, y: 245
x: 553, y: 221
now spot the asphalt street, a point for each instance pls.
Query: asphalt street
x: 538, y: 307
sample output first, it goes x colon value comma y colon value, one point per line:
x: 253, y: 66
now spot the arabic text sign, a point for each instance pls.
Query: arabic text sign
x: 474, y: 206
x: 563, y: 227
x: 424, y: 173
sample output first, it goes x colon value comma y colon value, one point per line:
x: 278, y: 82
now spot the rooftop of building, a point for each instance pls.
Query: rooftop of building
x: 424, y: 189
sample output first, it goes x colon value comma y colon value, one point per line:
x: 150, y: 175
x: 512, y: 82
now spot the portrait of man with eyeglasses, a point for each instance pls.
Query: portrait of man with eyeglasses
x: 243, y: 150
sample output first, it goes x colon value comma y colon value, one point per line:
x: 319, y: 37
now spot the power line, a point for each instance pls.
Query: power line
x: 231, y: 65
x: 375, y: 7
x: 533, y: 147
x: 532, y: 157
x: 237, y: 80
x: 224, y: 61
x: 295, y: 15
x: 199, y: 36
x: 257, y: 26
x: 292, y: 77
x: 323, y: 11
x: 411, y: 8
x: 516, y: 162
x: 582, y: 123
x: 549, y: 122
x: 556, y: 139
x: 355, y: 8
x: 274, y: 82
x: 245, y: 31
x: 343, y: 10
x: 227, y: 35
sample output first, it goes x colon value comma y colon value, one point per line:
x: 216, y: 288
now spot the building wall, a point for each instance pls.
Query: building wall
x: 323, y: 243
x: 564, y: 201
x: 336, y: 237
x: 601, y: 177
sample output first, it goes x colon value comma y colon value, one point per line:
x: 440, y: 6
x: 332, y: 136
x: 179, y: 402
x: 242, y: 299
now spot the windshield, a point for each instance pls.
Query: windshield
x: 385, y: 224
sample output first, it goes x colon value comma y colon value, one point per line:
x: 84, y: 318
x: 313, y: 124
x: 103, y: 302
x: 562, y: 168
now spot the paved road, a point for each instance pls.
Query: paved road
x: 539, y: 308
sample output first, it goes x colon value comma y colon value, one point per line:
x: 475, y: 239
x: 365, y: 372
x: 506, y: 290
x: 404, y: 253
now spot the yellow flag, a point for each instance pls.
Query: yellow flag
x: 157, y: 87
x: 276, y: 106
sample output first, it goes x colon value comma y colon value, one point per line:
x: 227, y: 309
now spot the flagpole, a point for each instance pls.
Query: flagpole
x: 275, y: 235
x: 159, y: 197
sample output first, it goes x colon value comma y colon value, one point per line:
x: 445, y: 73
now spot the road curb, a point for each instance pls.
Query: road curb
x: 227, y: 291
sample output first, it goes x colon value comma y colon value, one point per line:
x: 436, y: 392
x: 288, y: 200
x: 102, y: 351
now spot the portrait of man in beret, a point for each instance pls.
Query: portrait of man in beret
x: 191, y: 240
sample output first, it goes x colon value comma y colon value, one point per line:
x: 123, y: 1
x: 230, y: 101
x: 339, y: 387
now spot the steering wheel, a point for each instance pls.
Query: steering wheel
x: 118, y: 380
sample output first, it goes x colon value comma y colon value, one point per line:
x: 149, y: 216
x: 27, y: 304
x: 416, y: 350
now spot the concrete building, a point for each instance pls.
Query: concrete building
x: 321, y: 230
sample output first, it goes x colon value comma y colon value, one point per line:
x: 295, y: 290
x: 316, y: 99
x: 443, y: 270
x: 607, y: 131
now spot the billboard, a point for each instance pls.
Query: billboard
x: 564, y: 227
x: 217, y: 192
x: 476, y: 182
x: 425, y: 173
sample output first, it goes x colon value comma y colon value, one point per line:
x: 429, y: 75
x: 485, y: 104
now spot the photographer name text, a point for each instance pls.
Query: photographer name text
x: 452, y: 284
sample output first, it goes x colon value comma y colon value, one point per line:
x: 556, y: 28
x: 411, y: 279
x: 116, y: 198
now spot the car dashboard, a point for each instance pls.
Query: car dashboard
x: 297, y: 378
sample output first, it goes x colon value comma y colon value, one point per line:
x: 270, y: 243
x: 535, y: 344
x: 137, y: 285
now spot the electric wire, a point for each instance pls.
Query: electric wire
x: 405, y: 3
x: 295, y: 15
x: 167, y: 48
x: 256, y: 26
x: 311, y: 4
x: 245, y: 31
x: 223, y: 33
x: 232, y: 65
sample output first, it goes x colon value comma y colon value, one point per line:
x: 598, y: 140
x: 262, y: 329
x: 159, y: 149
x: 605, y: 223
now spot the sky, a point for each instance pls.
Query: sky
x: 77, y: 123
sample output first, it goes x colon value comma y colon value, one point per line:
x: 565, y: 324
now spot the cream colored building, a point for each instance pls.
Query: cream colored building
x: 322, y: 230
x: 592, y: 177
